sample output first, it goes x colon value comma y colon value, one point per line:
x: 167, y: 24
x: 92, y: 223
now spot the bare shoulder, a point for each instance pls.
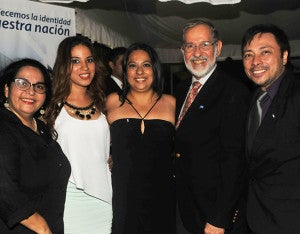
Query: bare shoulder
x: 112, y: 101
x: 112, y: 107
x: 166, y: 108
x: 169, y: 100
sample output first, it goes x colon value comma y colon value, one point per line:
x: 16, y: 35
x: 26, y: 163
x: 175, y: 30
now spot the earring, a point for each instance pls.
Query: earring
x: 42, y: 111
x: 6, y: 104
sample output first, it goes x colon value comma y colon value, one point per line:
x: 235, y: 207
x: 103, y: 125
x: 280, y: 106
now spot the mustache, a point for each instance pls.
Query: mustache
x: 201, y: 57
x: 260, y: 67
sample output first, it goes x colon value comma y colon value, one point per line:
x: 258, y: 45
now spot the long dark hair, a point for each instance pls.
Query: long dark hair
x: 61, y: 78
x: 158, y: 82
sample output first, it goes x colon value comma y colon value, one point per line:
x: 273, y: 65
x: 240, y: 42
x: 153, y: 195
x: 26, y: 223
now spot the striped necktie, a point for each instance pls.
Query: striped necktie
x: 189, y: 100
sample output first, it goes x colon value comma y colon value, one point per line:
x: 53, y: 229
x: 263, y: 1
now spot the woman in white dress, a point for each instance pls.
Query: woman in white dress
x: 76, y: 113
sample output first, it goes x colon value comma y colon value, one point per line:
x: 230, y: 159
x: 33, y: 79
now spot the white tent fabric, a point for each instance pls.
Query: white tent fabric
x: 62, y: 1
x: 213, y: 2
x: 159, y: 24
x: 97, y: 31
x: 164, y: 31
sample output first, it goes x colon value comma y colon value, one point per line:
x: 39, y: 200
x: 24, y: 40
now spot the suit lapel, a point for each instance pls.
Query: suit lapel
x: 205, y: 96
x: 181, y: 94
x: 274, y: 113
x: 207, y: 93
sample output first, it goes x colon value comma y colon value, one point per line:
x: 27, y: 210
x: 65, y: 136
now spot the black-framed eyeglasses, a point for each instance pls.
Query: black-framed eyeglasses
x: 23, y: 84
x: 204, y: 46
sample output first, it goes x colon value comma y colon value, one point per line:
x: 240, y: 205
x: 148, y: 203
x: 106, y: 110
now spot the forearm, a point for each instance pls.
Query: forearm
x: 37, y: 224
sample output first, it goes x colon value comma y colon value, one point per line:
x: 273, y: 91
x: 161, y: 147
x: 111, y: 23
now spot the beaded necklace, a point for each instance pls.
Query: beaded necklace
x: 82, y: 112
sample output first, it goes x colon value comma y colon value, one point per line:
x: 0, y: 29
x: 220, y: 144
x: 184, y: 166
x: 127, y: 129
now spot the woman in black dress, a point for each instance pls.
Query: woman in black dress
x: 33, y: 169
x: 142, y: 128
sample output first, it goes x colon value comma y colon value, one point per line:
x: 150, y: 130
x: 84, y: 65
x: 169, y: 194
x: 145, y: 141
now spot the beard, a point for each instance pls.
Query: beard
x: 201, y: 71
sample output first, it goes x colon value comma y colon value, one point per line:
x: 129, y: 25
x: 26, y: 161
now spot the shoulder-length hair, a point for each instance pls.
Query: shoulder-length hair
x: 158, y: 82
x: 61, y: 77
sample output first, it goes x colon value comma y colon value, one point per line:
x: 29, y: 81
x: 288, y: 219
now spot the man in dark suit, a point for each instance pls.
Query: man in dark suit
x: 209, y: 144
x: 115, y: 81
x: 273, y: 151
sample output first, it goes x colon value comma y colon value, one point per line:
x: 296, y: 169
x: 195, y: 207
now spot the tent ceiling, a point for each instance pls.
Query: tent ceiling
x: 231, y: 19
x: 159, y: 23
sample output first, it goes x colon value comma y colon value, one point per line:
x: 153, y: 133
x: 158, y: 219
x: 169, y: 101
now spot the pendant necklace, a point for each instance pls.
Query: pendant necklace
x: 82, y: 112
x: 142, y: 117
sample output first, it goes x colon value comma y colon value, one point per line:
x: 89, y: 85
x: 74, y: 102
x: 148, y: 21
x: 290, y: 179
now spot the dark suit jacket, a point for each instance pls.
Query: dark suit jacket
x: 111, y: 86
x: 274, y: 165
x: 209, y: 152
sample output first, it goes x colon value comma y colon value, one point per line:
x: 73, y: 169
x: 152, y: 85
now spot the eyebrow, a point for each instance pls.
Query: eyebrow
x: 265, y: 47
x: 91, y: 56
x: 146, y: 61
x: 260, y: 48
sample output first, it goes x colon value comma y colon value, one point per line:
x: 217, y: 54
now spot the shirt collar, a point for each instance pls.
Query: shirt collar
x: 119, y: 83
x: 273, y: 88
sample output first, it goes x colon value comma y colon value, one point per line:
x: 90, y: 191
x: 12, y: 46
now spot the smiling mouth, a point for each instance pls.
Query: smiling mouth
x: 140, y: 79
x: 199, y: 61
x: 27, y: 100
x: 257, y: 72
x: 85, y: 76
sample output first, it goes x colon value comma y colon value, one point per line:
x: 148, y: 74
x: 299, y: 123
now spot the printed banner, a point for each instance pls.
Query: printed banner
x: 33, y: 30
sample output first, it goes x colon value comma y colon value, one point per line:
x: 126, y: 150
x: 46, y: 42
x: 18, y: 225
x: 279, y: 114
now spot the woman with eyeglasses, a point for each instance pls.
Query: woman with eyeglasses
x: 33, y: 169
x: 76, y: 111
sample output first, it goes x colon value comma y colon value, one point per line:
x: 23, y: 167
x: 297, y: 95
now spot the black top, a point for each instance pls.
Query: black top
x: 33, y: 175
x: 143, y: 186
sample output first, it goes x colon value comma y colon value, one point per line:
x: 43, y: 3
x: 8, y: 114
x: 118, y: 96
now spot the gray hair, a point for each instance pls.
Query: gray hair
x: 195, y: 22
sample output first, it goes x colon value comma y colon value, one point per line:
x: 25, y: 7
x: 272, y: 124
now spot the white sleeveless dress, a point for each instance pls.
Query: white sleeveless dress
x: 86, y: 143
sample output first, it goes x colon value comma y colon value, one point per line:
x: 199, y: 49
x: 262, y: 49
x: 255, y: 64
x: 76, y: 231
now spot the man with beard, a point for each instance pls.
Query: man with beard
x: 273, y: 151
x: 209, y: 142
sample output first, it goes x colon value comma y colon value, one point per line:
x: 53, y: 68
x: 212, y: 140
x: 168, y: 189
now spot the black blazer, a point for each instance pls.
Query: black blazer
x: 274, y: 165
x: 111, y: 86
x: 209, y: 152
x: 33, y: 176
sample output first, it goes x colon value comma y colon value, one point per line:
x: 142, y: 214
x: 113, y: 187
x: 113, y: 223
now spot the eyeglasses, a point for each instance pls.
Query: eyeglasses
x: 23, y: 84
x: 204, y: 46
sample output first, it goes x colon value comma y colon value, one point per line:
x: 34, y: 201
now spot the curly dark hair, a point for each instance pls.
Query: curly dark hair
x: 61, y: 78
